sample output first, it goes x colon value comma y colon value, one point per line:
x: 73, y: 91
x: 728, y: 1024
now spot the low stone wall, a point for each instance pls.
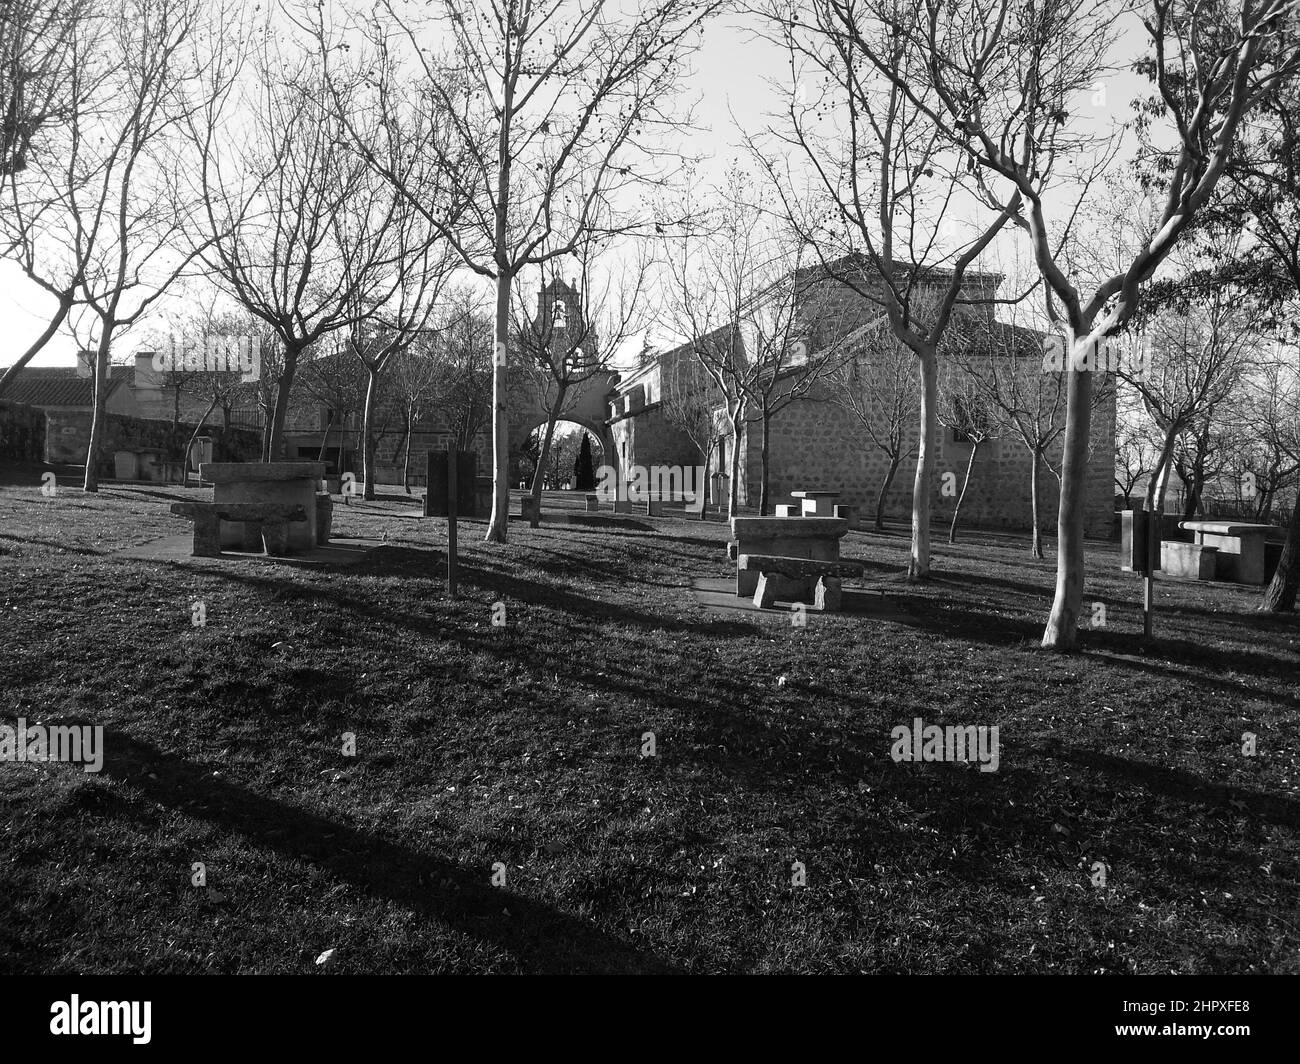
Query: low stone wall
x: 22, y: 433
x: 67, y: 438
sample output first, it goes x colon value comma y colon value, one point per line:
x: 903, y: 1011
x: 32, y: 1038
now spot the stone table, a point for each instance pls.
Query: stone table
x: 1240, y: 555
x: 276, y: 482
x: 817, y: 503
x: 817, y: 538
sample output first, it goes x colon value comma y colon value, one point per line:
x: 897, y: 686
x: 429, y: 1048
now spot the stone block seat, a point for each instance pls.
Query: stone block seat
x: 275, y: 483
x: 812, y: 538
x: 261, y: 521
x: 798, y: 579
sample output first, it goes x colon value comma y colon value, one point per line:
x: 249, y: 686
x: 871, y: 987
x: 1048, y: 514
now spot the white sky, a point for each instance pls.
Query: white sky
x: 727, y: 83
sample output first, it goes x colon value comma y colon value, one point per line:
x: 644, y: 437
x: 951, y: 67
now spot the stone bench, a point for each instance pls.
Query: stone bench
x: 266, y: 483
x: 816, y: 538
x: 798, y: 579
x: 262, y: 521
x: 1192, y: 561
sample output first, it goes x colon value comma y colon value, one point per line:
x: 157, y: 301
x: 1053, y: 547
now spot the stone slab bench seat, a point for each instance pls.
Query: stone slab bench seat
x: 778, y: 563
x: 263, y: 521
x: 797, y: 579
x: 261, y: 472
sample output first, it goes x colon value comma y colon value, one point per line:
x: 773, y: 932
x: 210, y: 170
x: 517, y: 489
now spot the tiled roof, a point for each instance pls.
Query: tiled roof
x: 59, y: 387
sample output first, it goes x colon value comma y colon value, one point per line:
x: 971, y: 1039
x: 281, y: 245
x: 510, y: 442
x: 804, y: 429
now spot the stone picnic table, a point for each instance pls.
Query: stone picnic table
x: 817, y: 503
x: 814, y: 538
x: 1240, y: 554
x: 283, y: 483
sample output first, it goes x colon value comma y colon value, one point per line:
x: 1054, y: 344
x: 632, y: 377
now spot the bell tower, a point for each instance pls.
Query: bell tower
x: 561, y: 320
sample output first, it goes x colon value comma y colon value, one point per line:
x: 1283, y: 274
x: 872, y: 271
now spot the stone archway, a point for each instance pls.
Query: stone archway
x: 589, y: 410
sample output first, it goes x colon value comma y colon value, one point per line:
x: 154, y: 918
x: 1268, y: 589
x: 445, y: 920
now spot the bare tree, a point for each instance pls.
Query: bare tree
x: 561, y: 112
x: 996, y: 79
x: 46, y: 78
x: 464, y: 384
x: 110, y: 208
x: 416, y: 374
x: 964, y: 410
x: 1264, y: 439
x: 689, y: 400
x: 563, y: 354
x: 1196, y: 360
x: 887, y: 188
x: 278, y: 176
x: 332, y: 377
x: 40, y: 85
x: 878, y: 385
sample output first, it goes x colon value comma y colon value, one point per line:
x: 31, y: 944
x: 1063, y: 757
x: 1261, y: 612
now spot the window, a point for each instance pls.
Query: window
x: 558, y: 312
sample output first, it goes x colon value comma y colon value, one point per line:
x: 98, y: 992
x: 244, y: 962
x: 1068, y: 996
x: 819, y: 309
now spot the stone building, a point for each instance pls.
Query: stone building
x: 817, y: 443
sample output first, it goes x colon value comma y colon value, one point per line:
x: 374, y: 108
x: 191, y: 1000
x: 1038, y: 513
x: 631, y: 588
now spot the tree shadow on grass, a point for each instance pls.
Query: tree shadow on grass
x: 1181, y: 785
x: 540, y: 937
x: 67, y: 548
x: 1181, y: 659
x: 493, y: 581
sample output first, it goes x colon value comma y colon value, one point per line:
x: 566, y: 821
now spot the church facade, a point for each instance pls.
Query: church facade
x: 819, y: 442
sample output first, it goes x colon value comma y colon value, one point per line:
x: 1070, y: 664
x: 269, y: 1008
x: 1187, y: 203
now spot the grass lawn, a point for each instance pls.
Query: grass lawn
x: 521, y: 745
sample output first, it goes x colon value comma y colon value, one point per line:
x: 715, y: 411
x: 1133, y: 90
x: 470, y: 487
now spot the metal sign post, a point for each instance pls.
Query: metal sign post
x: 1152, y: 564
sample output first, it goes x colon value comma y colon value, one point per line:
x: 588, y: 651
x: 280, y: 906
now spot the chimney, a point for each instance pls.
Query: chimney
x: 145, y: 376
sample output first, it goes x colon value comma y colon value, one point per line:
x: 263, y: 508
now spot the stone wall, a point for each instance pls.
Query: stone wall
x: 647, y: 438
x: 67, y: 438
x: 816, y: 445
x: 22, y: 433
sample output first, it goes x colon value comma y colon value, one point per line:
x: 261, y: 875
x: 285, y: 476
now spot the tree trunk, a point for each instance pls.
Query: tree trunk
x: 956, y: 510
x: 325, y: 437
x: 1159, y: 476
x: 98, y: 415
x: 189, y: 447
x: 276, y: 442
x: 406, y: 449
x: 733, y: 489
x: 367, y: 441
x: 1036, y: 543
x: 543, y: 457
x: 918, y: 566
x: 704, y: 508
x: 762, y: 458
x: 1281, y: 593
x: 894, y: 462
x: 496, y: 532
x: 268, y: 415
x: 56, y: 323
x: 1062, y: 631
